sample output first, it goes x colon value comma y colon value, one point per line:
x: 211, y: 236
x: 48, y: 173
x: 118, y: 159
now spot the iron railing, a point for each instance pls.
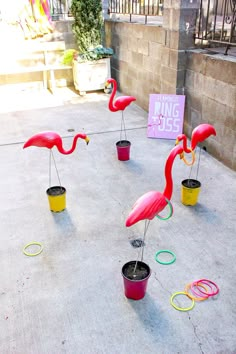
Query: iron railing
x: 216, y: 23
x: 60, y: 9
x: 135, y: 8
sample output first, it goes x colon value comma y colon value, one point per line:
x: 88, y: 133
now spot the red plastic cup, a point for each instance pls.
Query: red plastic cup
x: 123, y: 150
x: 135, y: 289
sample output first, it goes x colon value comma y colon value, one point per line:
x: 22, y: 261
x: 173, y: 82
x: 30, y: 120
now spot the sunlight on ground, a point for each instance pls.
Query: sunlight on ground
x: 13, y: 99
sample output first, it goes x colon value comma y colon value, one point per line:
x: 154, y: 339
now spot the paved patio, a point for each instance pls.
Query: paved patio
x: 70, y: 299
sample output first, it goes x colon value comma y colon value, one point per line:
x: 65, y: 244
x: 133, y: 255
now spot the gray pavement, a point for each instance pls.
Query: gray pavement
x: 70, y: 298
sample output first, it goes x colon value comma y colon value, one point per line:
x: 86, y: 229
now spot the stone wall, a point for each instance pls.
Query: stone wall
x: 210, y: 88
x: 148, y: 60
x: 138, y: 58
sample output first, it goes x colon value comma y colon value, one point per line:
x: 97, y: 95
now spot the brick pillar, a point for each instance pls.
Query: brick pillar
x: 179, y: 20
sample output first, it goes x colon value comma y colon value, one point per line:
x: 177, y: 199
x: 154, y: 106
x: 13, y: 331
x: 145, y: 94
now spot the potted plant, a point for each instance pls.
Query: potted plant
x: 90, y: 61
x: 120, y: 104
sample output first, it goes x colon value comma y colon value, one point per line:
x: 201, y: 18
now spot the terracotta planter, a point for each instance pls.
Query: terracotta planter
x: 190, y: 191
x: 135, y: 284
x: 123, y: 150
x: 56, y: 198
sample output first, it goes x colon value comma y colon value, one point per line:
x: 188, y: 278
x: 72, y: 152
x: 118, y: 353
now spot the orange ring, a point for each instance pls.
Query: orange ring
x: 193, y: 159
x: 193, y: 297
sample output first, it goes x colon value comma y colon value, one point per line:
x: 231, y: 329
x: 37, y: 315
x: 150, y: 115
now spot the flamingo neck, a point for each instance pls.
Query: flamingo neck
x: 111, y: 104
x: 185, y: 146
x: 177, y: 150
x: 67, y: 152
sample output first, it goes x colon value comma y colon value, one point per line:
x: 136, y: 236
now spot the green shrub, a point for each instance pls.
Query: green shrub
x: 88, y: 23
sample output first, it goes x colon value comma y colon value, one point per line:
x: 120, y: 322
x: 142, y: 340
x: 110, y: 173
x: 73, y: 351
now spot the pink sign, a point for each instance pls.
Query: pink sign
x: 165, y: 118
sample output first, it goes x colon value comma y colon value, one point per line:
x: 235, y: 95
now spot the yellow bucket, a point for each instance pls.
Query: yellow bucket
x: 56, y: 198
x: 190, y: 191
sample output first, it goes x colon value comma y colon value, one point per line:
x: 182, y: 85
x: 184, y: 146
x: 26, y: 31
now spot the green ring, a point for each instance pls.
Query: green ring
x: 171, y: 211
x: 31, y: 244
x: 165, y: 251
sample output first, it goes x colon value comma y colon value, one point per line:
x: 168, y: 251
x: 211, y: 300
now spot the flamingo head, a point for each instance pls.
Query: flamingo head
x: 180, y: 138
x: 83, y: 136
x: 87, y: 139
x: 109, y: 81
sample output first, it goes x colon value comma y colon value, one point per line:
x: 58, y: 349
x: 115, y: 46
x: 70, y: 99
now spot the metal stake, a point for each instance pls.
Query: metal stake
x: 147, y: 222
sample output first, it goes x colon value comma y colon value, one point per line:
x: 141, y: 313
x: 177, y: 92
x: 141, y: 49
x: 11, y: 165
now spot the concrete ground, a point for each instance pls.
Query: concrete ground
x: 70, y: 298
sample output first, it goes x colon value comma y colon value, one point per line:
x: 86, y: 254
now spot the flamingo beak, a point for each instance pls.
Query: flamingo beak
x: 181, y: 156
x: 177, y: 141
x: 87, y: 140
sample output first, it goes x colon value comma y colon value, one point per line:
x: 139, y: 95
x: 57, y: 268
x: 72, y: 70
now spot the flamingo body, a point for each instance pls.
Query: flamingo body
x: 120, y: 103
x: 146, y: 207
x: 200, y: 133
x: 152, y: 203
x: 50, y: 139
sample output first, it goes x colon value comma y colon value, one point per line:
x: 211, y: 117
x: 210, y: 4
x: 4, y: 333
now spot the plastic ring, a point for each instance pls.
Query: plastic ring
x: 193, y: 159
x: 199, y: 293
x: 207, y: 282
x: 171, y: 211
x: 31, y: 244
x: 198, y: 298
x: 165, y: 251
x: 183, y: 309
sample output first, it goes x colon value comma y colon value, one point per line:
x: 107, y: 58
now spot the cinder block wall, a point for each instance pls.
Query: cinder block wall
x: 210, y: 88
x: 138, y: 56
x: 143, y: 64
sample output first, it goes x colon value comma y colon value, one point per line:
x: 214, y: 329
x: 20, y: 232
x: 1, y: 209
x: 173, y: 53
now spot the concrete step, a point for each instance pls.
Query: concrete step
x: 22, y: 60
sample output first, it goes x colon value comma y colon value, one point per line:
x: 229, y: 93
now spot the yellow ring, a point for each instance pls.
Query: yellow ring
x: 193, y: 297
x: 31, y: 244
x: 193, y: 159
x: 183, y: 309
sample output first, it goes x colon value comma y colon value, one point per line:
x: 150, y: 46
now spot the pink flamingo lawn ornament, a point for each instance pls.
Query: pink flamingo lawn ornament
x: 199, y: 134
x: 152, y: 203
x: 119, y: 104
x: 49, y: 139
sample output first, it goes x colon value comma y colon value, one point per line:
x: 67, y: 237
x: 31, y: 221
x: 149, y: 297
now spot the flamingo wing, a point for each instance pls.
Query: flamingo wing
x: 122, y: 102
x: 146, y: 207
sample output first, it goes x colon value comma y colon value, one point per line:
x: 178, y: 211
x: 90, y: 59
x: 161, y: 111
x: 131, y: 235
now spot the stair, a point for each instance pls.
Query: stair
x: 26, y: 63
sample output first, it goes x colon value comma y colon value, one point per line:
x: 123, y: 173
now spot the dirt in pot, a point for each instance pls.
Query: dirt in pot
x: 191, y: 183
x: 57, y: 190
x: 123, y: 143
x: 141, y: 271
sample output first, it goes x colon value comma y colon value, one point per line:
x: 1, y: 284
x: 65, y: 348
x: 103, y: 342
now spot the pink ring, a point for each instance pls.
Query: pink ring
x: 195, y: 283
x: 208, y: 282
